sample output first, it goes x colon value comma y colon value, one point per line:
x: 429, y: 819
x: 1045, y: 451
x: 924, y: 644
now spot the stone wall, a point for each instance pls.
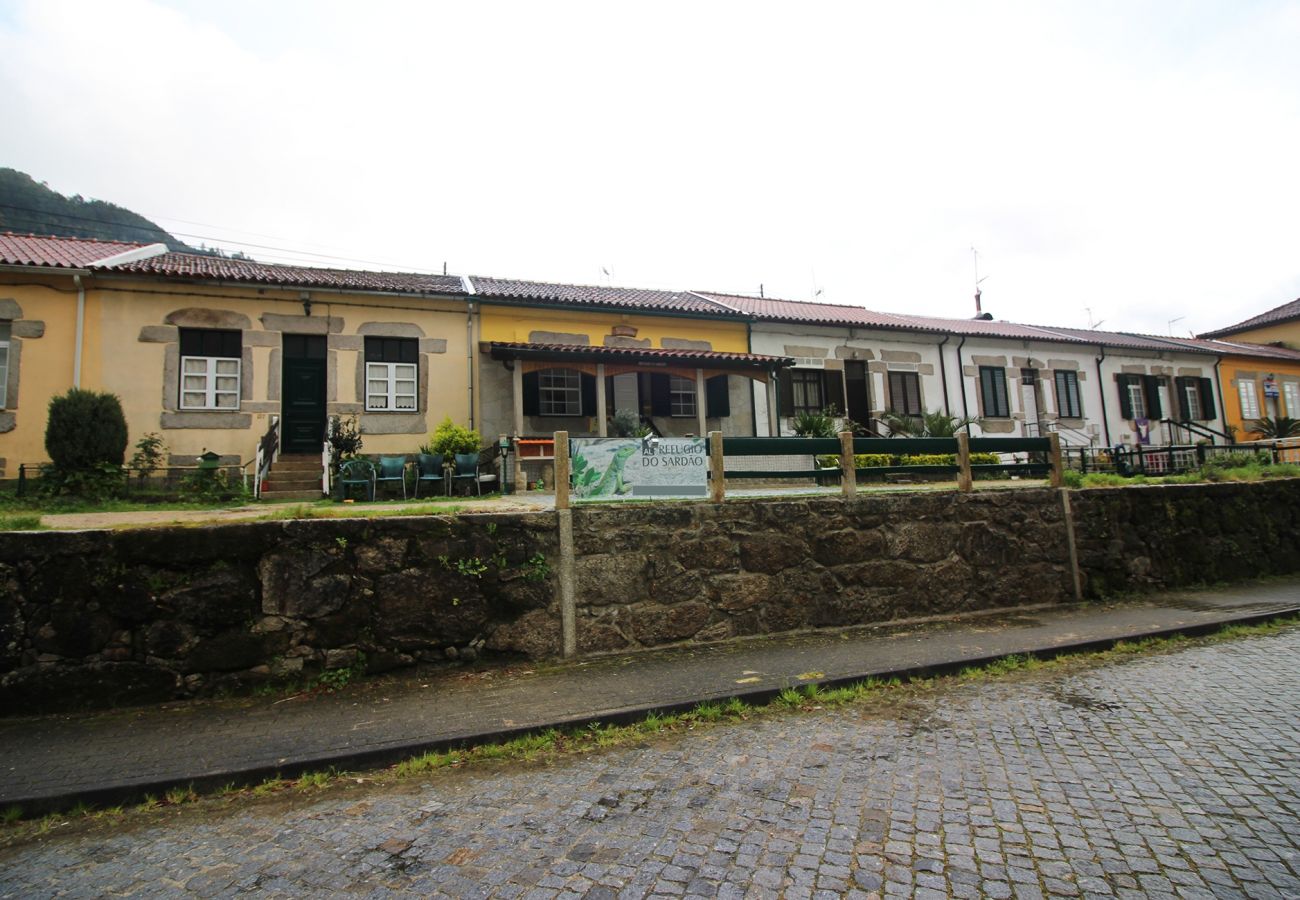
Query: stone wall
x: 1151, y: 538
x: 105, y: 618
x: 101, y: 618
x: 656, y: 575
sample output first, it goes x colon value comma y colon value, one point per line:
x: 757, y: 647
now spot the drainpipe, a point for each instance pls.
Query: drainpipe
x: 469, y: 359
x: 1101, y: 392
x: 81, y: 330
x: 961, y: 379
x: 943, y: 375
x: 1218, y: 387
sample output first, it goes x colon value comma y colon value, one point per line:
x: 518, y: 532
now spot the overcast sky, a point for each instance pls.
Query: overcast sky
x: 1139, y: 160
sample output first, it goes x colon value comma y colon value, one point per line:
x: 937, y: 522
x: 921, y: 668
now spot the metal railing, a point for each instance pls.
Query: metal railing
x: 1171, y: 459
x: 268, y: 449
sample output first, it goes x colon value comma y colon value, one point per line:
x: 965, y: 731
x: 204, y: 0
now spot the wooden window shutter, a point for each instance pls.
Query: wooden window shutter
x: 833, y: 384
x: 1151, y: 387
x: 1125, y: 403
x: 785, y: 392
x: 532, y: 402
x: 1206, y: 387
x: 661, y: 401
x: 717, y: 397
x: 588, y: 383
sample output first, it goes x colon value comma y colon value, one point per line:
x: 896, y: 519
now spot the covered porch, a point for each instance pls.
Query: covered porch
x: 532, y: 390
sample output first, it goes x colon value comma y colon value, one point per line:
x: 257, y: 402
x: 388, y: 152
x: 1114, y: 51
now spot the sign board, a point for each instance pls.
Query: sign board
x: 638, y: 468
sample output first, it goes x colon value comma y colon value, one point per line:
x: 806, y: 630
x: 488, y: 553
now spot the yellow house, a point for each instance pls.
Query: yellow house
x: 223, y: 355
x: 572, y: 357
x: 1265, y: 380
x: 213, y: 353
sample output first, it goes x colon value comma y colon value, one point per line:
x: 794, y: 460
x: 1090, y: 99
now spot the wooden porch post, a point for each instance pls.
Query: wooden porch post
x: 517, y: 392
x: 773, y: 426
x: 602, y: 428
x: 700, y: 400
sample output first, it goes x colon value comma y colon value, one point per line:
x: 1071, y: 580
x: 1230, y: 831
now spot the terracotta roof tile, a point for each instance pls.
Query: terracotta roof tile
x: 215, y: 268
x: 1284, y: 313
x: 595, y: 295
x: 57, y: 252
x: 510, y: 350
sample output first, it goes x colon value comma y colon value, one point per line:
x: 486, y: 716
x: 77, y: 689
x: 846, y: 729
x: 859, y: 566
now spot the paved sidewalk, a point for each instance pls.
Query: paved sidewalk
x: 50, y: 762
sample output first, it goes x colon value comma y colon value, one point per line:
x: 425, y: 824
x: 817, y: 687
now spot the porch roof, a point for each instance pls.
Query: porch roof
x: 631, y: 356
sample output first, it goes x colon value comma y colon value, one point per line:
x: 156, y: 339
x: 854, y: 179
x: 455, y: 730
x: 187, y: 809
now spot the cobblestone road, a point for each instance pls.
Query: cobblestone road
x: 1172, y: 775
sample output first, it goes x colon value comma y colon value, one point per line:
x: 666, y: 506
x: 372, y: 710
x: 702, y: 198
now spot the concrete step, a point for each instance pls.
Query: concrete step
x: 291, y: 481
x: 291, y: 495
x: 297, y: 463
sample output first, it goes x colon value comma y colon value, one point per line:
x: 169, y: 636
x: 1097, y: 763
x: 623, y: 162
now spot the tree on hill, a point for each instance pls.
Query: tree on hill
x: 29, y: 206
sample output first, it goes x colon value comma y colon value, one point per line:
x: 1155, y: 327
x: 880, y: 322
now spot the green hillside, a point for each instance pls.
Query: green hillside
x: 28, y: 206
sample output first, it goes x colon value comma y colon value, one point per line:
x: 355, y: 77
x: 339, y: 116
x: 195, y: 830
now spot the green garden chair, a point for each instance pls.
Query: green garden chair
x: 357, y: 471
x: 428, y: 470
x: 392, y: 468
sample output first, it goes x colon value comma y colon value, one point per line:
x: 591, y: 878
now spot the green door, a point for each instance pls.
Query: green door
x: 302, y: 411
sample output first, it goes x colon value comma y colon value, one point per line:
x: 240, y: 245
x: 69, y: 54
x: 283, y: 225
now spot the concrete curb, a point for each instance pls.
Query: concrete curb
x: 135, y: 791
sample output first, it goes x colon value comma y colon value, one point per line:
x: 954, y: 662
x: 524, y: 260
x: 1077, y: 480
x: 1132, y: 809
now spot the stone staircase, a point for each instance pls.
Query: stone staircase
x: 293, y: 477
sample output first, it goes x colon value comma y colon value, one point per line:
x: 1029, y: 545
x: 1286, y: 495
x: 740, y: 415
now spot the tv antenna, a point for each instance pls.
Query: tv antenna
x: 1092, y: 324
x: 979, y: 310
x: 1172, y: 322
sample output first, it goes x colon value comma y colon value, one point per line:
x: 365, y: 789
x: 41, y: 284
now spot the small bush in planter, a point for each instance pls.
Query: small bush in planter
x: 449, y: 439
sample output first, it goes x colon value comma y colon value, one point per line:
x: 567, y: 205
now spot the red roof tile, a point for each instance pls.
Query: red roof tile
x: 57, y: 252
x: 216, y: 268
x: 510, y: 350
x: 1284, y: 313
x: 595, y: 295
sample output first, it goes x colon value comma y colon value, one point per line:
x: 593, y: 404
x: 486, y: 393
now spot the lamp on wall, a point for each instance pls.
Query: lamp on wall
x: 305, y: 297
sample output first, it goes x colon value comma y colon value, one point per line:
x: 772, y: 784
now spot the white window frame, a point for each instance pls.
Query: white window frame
x: 1137, y: 399
x: 1290, y: 394
x: 214, y: 383
x: 681, y: 396
x: 394, y: 377
x: 1249, y: 399
x: 1192, y: 401
x: 559, y: 392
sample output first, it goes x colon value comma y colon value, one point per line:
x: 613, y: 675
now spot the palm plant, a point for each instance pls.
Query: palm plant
x: 1279, y: 427
x: 928, y: 424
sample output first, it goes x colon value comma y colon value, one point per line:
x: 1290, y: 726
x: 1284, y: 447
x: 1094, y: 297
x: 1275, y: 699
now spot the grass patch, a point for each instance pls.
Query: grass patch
x: 21, y: 522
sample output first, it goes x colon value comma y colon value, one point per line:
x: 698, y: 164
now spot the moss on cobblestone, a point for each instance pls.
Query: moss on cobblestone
x: 878, y: 696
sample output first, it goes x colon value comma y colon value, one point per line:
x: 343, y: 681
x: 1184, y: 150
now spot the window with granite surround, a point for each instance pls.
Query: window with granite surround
x: 392, y: 366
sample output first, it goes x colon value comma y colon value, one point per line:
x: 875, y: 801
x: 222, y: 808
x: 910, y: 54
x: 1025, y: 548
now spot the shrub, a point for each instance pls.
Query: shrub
x: 86, y: 429
x: 626, y: 423
x: 1280, y: 427
x: 816, y: 424
x: 449, y: 438
x: 1072, y: 478
x: 345, y: 440
x: 150, y: 451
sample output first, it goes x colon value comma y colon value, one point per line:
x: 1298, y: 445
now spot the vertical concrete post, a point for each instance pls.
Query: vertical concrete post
x: 568, y: 606
x: 1054, y: 457
x: 964, y: 480
x: 848, y: 470
x: 561, y: 470
x: 602, y: 427
x: 717, y: 471
x: 1071, y: 543
x: 700, y: 400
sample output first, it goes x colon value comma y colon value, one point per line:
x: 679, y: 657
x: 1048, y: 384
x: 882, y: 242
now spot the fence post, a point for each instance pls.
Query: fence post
x: 717, y: 471
x: 1054, y: 457
x: 561, y: 470
x: 848, y: 470
x: 964, y: 480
